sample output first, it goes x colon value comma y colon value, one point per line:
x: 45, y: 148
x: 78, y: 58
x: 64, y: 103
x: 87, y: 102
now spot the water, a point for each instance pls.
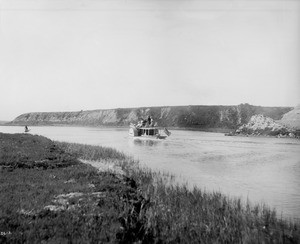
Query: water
x: 263, y: 170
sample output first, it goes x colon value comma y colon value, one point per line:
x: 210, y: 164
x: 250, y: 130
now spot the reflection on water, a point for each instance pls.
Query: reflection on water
x: 260, y: 169
x: 145, y: 142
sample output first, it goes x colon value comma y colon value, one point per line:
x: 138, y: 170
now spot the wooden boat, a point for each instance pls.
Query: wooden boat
x: 148, y: 132
x: 229, y: 134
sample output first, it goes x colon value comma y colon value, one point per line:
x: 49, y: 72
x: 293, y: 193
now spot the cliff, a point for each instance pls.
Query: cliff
x: 197, y: 116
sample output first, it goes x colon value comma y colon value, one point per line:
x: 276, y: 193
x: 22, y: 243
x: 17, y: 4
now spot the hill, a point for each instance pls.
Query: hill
x: 292, y: 118
x: 196, y: 116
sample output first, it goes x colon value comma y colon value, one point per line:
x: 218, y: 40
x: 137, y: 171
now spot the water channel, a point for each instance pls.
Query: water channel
x: 260, y: 169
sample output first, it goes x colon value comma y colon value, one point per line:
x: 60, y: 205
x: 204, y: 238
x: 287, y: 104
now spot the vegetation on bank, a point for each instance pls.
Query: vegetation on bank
x: 77, y: 203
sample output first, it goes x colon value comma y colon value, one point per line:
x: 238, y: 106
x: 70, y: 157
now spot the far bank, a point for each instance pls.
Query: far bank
x: 194, y: 117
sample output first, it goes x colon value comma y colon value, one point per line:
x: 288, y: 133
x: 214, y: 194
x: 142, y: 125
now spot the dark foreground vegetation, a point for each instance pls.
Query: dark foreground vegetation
x: 48, y: 196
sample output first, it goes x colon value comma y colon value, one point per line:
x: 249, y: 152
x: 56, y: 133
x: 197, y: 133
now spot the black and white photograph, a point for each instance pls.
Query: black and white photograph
x: 149, y: 121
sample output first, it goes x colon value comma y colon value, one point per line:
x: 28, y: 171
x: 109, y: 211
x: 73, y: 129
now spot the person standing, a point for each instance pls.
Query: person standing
x: 149, y: 120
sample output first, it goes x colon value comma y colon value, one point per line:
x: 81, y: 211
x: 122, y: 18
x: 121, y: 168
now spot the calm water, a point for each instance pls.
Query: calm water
x: 264, y: 170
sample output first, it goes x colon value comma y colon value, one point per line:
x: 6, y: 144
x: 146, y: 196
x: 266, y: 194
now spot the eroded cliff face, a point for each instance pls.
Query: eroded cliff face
x: 200, y: 117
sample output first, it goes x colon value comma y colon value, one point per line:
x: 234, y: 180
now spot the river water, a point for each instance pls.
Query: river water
x: 260, y: 169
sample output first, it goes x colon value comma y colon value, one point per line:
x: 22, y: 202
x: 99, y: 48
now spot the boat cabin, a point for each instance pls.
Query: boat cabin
x: 149, y: 132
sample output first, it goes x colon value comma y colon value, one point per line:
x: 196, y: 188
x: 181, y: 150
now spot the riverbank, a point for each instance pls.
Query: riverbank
x: 48, y: 194
x: 232, y: 133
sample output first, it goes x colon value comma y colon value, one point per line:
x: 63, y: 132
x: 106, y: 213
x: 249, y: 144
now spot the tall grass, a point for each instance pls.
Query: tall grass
x: 142, y: 206
x: 98, y: 153
x: 179, y: 214
x: 91, y: 152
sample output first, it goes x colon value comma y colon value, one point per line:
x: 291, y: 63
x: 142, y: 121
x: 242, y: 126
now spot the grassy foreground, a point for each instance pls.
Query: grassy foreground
x: 48, y: 196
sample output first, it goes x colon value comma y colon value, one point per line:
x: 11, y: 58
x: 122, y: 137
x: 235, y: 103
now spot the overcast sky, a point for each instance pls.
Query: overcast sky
x: 70, y: 55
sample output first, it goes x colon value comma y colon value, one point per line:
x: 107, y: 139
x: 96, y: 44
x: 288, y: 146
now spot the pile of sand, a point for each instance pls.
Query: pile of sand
x: 292, y: 118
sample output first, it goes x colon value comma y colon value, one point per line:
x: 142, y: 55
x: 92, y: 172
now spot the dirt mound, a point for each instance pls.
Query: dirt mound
x: 31, y: 151
x: 261, y: 125
x: 292, y: 118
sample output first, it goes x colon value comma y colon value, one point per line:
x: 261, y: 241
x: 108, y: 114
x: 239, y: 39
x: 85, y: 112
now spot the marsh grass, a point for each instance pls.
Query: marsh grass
x: 104, y: 155
x: 91, y: 152
x: 75, y: 203
x: 142, y: 206
x: 178, y: 213
x: 70, y: 205
x: 28, y: 151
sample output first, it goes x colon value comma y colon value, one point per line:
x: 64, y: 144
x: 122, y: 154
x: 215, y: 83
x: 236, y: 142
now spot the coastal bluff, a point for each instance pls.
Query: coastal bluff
x: 194, y: 116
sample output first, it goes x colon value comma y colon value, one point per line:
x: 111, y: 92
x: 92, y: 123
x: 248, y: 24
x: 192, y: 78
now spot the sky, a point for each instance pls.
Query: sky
x: 71, y: 55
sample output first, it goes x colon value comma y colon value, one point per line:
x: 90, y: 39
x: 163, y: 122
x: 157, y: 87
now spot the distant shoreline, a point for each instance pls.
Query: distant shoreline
x: 215, y: 130
x: 224, y: 131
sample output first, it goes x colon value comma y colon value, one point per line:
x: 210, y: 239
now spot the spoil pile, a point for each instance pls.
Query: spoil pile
x: 292, y: 118
x: 261, y: 125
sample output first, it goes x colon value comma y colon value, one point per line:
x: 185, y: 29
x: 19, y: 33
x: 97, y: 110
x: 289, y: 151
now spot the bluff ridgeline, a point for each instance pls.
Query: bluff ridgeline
x: 198, y: 117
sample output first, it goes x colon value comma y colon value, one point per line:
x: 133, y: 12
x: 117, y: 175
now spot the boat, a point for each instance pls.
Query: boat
x: 150, y: 132
x: 230, y: 134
